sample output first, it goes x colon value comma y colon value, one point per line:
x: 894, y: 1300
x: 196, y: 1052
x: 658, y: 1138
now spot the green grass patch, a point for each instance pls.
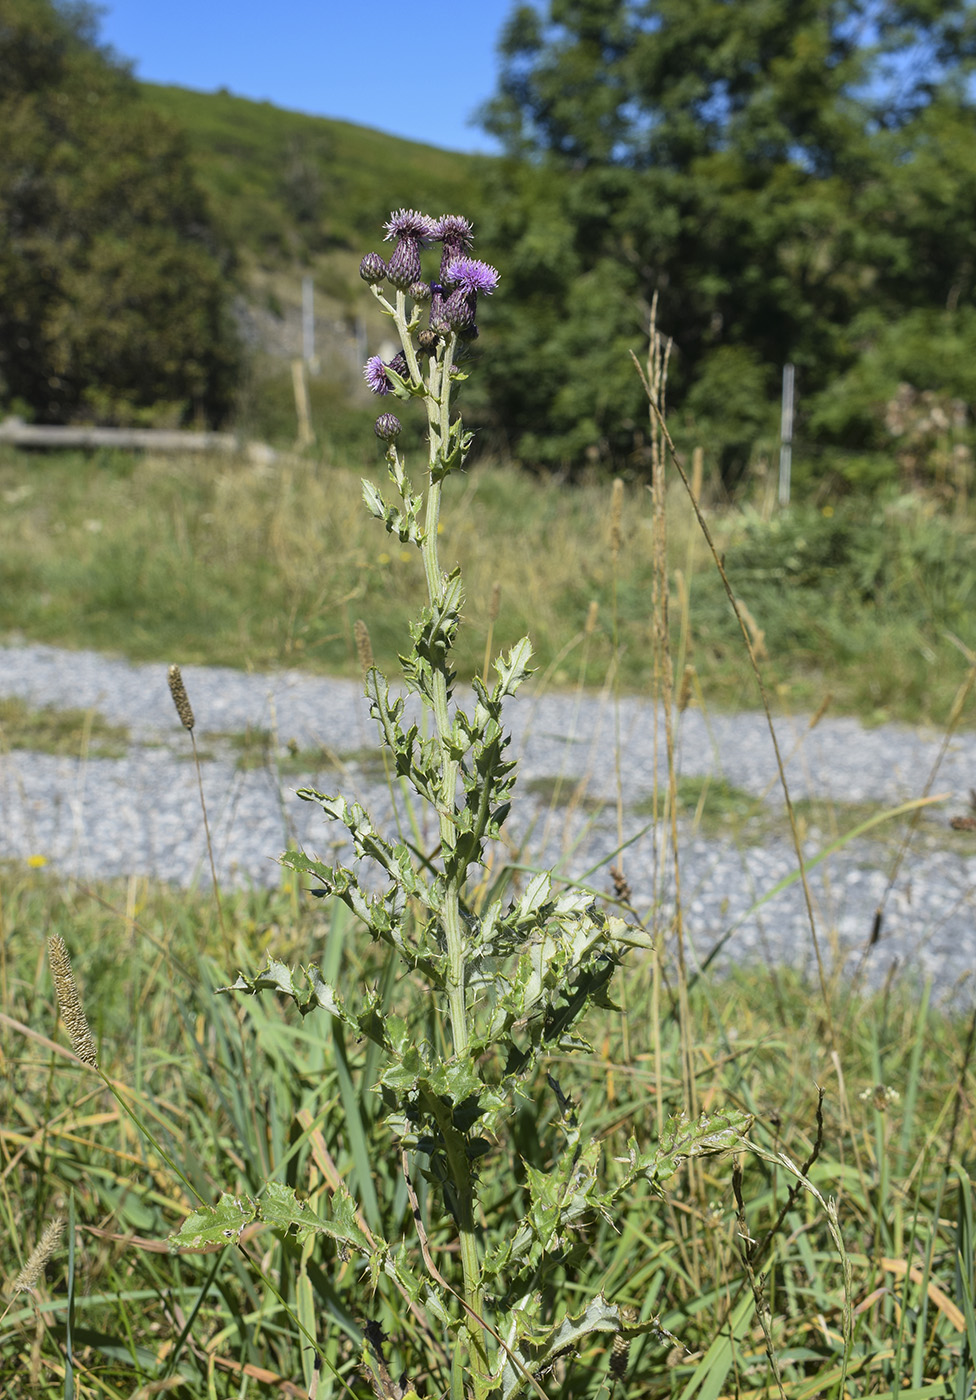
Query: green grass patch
x: 78, y: 733
x: 222, y: 562
x: 239, y: 1092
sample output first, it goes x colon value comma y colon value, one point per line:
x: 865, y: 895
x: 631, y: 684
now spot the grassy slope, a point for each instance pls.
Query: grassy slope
x: 206, y: 560
x: 289, y: 189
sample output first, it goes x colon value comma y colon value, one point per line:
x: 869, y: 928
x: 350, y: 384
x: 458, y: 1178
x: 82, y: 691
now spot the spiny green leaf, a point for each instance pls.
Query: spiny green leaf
x: 213, y: 1227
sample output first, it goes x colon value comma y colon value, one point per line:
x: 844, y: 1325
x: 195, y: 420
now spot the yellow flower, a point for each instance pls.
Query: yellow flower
x: 36, y: 862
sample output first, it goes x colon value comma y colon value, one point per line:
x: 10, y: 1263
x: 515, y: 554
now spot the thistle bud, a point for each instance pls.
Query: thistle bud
x: 372, y: 268
x: 387, y: 427
x: 459, y: 309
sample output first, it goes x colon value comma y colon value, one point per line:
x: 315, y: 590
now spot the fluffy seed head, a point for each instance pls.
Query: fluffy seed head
x: 180, y: 698
x: 40, y: 1254
x: 69, y: 1002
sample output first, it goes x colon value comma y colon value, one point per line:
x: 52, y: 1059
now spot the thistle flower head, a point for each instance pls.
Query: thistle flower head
x: 409, y: 223
x: 455, y: 229
x: 456, y: 234
x: 413, y: 231
x: 374, y: 372
x: 470, y: 275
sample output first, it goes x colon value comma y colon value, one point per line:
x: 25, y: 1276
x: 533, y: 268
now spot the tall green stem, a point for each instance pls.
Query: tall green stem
x: 438, y: 420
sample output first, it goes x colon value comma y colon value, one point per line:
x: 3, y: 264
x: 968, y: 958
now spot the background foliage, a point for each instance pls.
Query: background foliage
x: 792, y: 181
x: 115, y: 287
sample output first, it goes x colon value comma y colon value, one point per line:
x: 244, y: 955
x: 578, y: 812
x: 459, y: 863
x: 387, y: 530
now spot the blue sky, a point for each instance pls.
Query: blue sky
x: 416, y: 70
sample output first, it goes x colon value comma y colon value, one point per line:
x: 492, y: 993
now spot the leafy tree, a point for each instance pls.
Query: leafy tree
x: 113, y: 289
x: 771, y: 170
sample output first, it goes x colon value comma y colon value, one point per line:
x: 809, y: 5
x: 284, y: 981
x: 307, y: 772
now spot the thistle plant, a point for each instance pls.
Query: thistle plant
x: 505, y: 978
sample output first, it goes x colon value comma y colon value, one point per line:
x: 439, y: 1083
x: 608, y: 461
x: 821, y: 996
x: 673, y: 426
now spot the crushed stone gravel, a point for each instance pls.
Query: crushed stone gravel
x: 587, y: 767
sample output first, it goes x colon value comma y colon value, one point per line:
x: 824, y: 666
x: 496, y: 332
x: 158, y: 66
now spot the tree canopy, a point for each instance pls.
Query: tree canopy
x: 790, y: 178
x: 114, y: 289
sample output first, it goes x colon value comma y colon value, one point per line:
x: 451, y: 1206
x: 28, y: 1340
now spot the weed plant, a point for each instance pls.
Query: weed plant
x: 446, y: 1163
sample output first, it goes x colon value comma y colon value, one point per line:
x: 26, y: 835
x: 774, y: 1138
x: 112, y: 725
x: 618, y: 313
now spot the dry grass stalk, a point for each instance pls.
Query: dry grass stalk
x: 69, y: 1002
x: 180, y: 698
x: 687, y: 688
x: 697, y: 472
x: 616, y: 516
x: 757, y: 635
x: 494, y: 607
x: 591, y: 616
x: 364, y: 647
x: 185, y: 711
x: 43, y: 1251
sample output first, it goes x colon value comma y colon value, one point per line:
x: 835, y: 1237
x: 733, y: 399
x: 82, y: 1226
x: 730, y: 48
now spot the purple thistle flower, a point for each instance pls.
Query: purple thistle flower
x: 412, y: 231
x: 374, y: 372
x: 457, y: 235
x: 399, y: 365
x: 372, y: 268
x: 472, y: 275
x: 387, y: 427
x: 408, y: 223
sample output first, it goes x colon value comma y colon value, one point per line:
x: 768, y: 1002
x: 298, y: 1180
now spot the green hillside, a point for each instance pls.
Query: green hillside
x: 288, y: 186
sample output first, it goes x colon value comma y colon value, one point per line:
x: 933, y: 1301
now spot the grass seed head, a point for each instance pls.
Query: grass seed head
x: 616, y: 515
x: 69, y: 1002
x: 180, y: 698
x: 364, y: 647
x: 40, y: 1254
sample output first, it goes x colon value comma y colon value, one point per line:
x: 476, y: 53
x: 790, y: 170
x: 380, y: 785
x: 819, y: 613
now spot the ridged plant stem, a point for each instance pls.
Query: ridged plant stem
x: 438, y: 420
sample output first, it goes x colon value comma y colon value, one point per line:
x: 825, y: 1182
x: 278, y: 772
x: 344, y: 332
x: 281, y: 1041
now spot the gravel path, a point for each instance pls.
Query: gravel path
x: 140, y: 814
